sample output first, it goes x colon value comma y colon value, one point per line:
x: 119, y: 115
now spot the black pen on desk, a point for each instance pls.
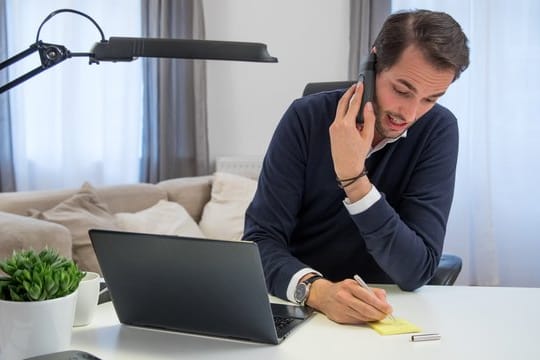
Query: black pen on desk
x: 365, y: 286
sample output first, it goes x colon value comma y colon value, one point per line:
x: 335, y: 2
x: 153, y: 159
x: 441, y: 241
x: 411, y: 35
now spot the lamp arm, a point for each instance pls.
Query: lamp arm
x: 18, y: 57
x: 49, y: 54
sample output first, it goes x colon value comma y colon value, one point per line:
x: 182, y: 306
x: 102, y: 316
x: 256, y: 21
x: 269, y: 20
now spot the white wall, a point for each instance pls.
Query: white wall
x: 246, y: 100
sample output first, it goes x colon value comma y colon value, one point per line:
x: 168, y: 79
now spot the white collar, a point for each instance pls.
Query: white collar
x: 384, y: 142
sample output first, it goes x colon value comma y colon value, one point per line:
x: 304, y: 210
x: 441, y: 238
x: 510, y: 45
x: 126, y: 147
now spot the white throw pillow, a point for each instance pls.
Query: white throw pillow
x: 223, y: 216
x: 165, y: 217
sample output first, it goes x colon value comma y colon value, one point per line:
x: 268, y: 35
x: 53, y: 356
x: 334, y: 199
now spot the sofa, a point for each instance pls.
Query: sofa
x: 210, y: 206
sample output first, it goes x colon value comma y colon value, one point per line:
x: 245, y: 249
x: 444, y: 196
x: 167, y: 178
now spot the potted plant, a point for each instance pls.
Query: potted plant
x: 37, y: 303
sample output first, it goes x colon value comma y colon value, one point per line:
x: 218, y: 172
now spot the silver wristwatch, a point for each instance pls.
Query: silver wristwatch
x: 301, y: 292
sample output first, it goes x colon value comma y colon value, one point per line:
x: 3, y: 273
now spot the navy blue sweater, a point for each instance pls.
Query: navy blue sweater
x: 298, y: 218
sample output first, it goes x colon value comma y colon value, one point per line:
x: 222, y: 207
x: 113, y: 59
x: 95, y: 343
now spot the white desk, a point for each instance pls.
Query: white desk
x: 474, y: 322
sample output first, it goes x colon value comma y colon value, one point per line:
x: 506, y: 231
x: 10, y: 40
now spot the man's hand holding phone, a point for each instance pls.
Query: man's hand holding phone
x: 350, y: 142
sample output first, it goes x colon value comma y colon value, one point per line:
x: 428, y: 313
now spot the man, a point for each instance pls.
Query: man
x: 336, y: 198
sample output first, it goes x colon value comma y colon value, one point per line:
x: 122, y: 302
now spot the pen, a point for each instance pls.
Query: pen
x: 365, y: 286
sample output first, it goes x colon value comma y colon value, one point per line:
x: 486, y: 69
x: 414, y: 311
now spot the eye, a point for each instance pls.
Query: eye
x: 401, y: 92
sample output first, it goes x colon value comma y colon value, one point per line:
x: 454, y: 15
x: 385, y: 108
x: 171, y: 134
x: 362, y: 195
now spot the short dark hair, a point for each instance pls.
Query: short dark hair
x: 436, y: 34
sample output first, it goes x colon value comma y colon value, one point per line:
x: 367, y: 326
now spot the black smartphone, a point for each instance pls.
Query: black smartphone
x: 367, y: 72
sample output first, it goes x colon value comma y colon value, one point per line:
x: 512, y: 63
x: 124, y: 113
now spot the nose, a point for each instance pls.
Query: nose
x: 409, y: 110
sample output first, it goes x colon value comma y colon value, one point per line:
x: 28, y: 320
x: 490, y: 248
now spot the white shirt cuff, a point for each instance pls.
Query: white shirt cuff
x: 295, y: 279
x: 364, y: 203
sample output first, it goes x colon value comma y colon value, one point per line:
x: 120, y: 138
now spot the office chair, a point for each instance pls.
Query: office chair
x: 315, y: 87
x: 449, y: 265
x: 447, y: 271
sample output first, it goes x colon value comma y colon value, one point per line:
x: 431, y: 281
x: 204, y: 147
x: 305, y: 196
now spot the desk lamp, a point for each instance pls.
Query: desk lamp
x: 129, y: 48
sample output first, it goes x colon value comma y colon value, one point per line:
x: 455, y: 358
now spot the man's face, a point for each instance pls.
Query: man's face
x: 406, y: 91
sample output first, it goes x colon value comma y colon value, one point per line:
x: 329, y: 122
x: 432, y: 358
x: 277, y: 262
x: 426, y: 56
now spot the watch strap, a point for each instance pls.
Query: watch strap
x: 312, y: 279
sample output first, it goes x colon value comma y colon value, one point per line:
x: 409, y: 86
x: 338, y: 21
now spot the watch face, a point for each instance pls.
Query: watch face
x: 300, y: 293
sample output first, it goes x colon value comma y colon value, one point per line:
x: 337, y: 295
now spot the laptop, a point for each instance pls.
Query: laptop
x: 192, y: 285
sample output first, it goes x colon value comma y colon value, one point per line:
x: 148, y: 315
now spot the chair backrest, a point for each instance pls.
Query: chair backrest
x: 447, y: 271
x: 315, y: 87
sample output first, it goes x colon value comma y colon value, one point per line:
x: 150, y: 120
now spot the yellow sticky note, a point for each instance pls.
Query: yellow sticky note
x: 394, y: 327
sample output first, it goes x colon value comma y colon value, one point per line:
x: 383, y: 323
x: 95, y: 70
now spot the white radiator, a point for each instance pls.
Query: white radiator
x: 248, y: 166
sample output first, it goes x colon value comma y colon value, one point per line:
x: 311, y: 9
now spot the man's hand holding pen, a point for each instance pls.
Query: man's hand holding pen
x: 347, y: 302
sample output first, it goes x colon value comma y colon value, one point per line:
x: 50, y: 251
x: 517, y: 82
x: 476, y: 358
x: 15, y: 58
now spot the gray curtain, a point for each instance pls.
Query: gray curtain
x: 175, y: 135
x: 7, y: 173
x: 367, y: 17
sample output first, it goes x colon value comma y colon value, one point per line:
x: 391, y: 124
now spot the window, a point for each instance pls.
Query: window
x: 75, y: 122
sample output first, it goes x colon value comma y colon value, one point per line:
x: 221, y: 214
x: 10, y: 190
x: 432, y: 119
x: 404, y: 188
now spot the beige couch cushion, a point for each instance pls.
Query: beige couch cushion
x: 223, y: 216
x: 165, y: 217
x: 130, y: 198
x: 21, y: 232
x: 119, y: 198
x: 190, y: 192
x: 22, y: 201
x: 79, y: 213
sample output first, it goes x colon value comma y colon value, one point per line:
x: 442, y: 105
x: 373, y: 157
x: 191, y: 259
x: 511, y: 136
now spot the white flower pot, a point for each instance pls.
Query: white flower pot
x: 35, y: 327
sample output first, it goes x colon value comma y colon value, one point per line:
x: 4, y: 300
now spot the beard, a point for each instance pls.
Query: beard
x: 381, y: 131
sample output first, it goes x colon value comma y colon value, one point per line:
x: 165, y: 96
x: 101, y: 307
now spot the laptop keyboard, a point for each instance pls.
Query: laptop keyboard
x: 282, y: 322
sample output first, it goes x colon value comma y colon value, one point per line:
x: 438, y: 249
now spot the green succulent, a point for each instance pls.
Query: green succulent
x: 39, y: 276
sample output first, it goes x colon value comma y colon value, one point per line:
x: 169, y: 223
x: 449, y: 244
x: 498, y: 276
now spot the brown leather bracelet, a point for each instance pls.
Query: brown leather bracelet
x: 343, y: 183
